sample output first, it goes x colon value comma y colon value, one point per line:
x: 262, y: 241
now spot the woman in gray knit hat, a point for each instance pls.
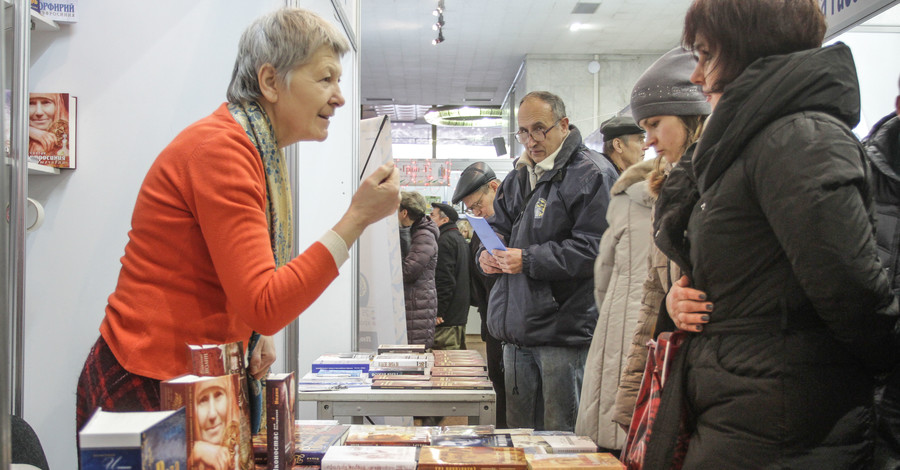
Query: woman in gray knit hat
x: 671, y: 110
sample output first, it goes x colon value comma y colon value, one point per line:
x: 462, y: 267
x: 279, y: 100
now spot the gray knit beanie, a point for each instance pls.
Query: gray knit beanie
x: 665, y: 88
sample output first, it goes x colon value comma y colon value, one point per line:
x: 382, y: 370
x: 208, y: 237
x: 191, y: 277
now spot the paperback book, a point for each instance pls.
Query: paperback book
x: 134, y: 440
x: 597, y: 461
x: 440, y: 457
x: 458, y: 372
x: 280, y: 398
x: 570, y: 444
x: 531, y: 444
x: 52, y: 129
x: 402, y: 384
x: 386, y: 435
x: 467, y: 429
x: 401, y: 348
x: 370, y: 458
x: 345, y: 361
x: 482, y: 440
x: 461, y: 383
x: 213, y: 418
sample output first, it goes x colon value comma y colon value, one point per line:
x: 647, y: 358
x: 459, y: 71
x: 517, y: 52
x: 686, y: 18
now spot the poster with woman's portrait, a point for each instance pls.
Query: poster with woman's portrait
x: 51, y: 129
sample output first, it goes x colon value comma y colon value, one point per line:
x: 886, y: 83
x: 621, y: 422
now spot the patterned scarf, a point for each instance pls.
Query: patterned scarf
x: 278, y: 214
x: 278, y: 197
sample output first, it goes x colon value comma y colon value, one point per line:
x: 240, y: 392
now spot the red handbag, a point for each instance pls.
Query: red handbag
x: 659, y: 361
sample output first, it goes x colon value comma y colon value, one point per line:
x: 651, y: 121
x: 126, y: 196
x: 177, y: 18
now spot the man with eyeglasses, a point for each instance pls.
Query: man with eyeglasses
x: 551, y: 212
x: 476, y: 189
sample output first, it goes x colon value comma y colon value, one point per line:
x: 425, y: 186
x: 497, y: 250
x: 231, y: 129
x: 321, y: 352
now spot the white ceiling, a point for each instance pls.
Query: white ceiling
x: 486, y: 42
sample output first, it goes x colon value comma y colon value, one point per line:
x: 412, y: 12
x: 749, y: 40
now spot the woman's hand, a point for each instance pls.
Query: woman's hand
x: 46, y: 139
x: 687, y: 307
x: 263, y: 356
x: 378, y: 196
x: 212, y: 455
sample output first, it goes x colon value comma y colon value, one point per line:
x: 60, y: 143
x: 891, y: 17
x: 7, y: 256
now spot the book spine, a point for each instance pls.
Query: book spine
x: 279, y: 423
x: 107, y: 458
x: 323, y: 366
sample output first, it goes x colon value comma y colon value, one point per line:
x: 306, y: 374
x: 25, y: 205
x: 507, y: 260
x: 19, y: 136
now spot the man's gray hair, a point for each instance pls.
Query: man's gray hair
x: 555, y: 102
x: 285, y: 38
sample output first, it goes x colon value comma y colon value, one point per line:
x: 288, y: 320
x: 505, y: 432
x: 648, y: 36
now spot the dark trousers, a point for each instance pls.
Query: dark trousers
x: 494, y: 350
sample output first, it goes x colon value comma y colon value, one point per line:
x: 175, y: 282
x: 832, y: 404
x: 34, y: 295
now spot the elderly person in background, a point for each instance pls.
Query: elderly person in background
x: 623, y: 142
x: 789, y: 314
x: 209, y: 257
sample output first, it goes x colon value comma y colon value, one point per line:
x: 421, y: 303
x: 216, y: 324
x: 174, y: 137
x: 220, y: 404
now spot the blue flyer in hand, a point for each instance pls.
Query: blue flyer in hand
x: 488, y: 237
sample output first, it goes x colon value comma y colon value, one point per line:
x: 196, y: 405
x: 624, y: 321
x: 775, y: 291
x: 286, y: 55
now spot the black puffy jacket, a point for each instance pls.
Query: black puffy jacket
x: 883, y: 150
x: 781, y: 241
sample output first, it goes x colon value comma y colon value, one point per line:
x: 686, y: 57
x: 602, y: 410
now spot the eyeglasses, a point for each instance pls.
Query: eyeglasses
x: 477, y: 206
x: 536, y: 135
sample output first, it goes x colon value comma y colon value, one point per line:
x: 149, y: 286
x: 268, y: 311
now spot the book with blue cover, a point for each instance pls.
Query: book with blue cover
x: 134, y: 440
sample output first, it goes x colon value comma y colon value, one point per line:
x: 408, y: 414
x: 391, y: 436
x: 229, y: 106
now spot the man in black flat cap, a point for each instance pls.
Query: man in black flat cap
x: 623, y: 142
x: 451, y: 277
x: 476, y: 189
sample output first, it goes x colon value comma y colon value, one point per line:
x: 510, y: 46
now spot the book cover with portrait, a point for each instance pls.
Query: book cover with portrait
x: 52, y: 129
x: 213, y: 420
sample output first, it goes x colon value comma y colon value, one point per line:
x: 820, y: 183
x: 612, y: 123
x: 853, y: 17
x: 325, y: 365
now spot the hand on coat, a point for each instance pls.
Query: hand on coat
x: 687, y: 307
x: 509, y: 261
x: 488, y: 263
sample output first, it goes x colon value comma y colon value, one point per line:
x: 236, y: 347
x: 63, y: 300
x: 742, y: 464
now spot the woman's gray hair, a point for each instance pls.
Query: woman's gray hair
x: 285, y: 38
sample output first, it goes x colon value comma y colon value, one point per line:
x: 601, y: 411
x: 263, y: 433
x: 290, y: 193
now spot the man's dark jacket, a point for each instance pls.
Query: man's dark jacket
x: 558, y: 227
x: 451, y: 276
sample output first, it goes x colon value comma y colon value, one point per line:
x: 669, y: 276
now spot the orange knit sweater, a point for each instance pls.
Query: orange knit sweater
x: 198, y: 267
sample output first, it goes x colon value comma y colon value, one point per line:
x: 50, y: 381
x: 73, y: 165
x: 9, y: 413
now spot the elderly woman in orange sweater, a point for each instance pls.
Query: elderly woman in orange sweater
x: 209, y: 257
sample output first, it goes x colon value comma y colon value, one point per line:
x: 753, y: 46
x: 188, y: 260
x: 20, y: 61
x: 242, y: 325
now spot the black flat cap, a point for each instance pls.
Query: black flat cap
x: 447, y: 209
x: 473, y: 177
x: 619, y: 126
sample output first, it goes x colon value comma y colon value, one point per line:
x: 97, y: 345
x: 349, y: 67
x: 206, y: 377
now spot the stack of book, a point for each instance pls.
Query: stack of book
x: 440, y: 457
x: 370, y: 458
x: 333, y: 379
x: 401, y: 348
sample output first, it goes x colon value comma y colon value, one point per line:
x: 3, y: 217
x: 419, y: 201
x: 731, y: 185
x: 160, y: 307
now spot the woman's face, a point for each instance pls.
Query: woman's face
x: 308, y: 100
x: 705, y: 73
x: 211, y: 403
x: 41, y: 111
x: 667, y: 135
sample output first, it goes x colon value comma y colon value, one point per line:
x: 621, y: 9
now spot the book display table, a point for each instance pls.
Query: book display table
x: 357, y: 402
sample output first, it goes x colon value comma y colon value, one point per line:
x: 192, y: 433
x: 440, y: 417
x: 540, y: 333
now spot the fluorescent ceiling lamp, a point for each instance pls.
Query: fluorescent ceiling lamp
x: 466, y: 116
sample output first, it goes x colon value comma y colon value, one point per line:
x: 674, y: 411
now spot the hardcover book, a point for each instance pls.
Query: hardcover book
x: 385, y: 435
x: 481, y: 440
x: 458, y: 372
x: 401, y: 376
x: 346, y: 361
x: 467, y: 429
x: 531, y: 444
x: 213, y: 418
x: 52, y: 129
x: 401, y: 348
x: 213, y: 360
x: 401, y: 385
x: 369, y: 458
x: 599, y: 461
x: 461, y: 383
x: 311, y: 441
x: 280, y: 397
x: 497, y: 458
x: 147, y: 440
x: 570, y: 444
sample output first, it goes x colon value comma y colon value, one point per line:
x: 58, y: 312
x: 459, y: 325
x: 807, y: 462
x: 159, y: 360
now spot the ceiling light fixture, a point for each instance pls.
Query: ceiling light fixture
x: 439, y: 26
x: 465, y: 116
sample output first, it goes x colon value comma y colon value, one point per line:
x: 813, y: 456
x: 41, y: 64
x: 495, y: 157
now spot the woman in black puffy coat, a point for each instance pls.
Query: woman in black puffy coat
x: 790, y: 314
